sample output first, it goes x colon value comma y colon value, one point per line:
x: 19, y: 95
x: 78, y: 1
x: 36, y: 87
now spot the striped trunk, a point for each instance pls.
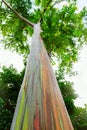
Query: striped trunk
x: 40, y: 105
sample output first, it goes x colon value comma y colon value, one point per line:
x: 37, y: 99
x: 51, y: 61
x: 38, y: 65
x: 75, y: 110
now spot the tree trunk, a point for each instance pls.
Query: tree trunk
x: 40, y: 105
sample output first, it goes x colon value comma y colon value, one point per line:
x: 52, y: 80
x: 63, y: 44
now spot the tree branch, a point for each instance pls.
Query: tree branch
x: 19, y: 16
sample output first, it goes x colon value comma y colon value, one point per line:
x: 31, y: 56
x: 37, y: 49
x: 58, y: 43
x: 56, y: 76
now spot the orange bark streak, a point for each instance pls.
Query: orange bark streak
x: 37, y: 119
x: 46, y: 78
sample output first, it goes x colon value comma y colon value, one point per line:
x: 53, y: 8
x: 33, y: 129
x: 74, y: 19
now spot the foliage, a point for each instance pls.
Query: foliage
x: 5, y: 116
x: 63, y: 33
x: 63, y: 29
x: 79, y: 118
x: 10, y: 83
x: 13, y: 29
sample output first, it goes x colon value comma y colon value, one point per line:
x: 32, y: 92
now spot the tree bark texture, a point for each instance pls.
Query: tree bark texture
x: 40, y: 105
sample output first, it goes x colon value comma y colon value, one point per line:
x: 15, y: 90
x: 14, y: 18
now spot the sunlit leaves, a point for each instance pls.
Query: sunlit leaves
x: 43, y: 3
x: 60, y: 28
x: 14, y: 30
x: 37, y: 2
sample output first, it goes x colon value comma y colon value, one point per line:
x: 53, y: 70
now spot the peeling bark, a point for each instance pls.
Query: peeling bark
x: 40, y: 105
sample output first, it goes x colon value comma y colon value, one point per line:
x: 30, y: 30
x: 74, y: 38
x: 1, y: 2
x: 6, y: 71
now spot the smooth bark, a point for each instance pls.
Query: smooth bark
x: 40, y: 105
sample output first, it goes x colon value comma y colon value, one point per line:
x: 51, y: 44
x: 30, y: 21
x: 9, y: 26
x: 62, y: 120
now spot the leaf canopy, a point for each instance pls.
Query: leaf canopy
x: 63, y: 29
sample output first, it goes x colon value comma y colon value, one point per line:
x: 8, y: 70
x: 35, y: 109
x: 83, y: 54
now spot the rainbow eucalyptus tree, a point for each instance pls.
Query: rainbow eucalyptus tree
x: 40, y: 105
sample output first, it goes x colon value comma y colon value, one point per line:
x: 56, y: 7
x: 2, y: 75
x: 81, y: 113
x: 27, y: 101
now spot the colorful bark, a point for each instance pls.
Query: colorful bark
x: 40, y: 105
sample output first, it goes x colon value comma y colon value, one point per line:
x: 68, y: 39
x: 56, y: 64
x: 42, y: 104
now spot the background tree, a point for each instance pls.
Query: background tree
x: 5, y: 116
x: 10, y: 83
x: 79, y: 118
